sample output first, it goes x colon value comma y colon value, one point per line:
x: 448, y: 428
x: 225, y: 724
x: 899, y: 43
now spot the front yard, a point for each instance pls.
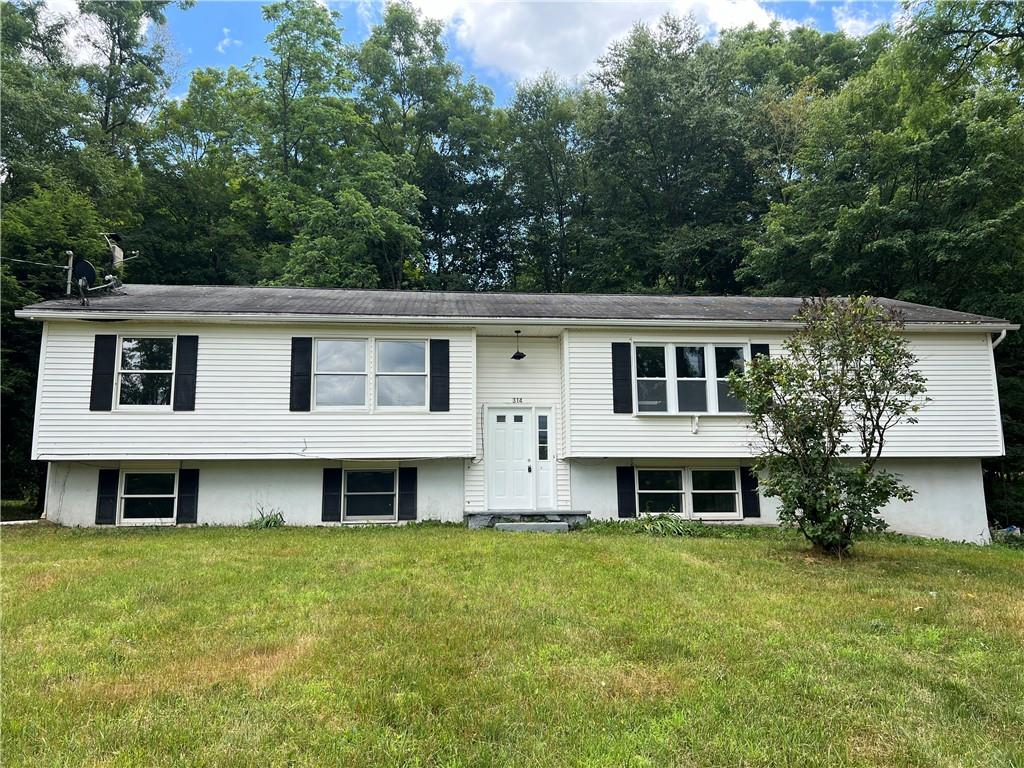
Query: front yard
x: 442, y: 646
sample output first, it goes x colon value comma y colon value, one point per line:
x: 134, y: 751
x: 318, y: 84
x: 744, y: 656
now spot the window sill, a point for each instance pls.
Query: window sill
x: 687, y: 414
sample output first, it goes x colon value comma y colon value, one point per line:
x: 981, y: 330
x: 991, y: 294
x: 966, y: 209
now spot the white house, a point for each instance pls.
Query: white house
x: 197, y: 404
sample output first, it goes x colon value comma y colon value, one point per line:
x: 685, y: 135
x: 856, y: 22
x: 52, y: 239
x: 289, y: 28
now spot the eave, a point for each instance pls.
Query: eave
x: 254, y: 318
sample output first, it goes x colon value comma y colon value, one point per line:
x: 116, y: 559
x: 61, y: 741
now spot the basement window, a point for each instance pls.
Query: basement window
x: 145, y: 371
x: 371, y: 495
x: 148, y: 498
x: 659, y: 491
x: 715, y: 494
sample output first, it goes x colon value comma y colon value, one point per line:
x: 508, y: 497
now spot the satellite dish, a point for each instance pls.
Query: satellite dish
x: 83, y: 270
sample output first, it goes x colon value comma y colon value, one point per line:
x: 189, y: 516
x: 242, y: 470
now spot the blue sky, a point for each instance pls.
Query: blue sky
x: 499, y: 41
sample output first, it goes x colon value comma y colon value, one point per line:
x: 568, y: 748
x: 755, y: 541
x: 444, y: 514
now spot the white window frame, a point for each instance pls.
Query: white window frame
x: 640, y: 494
x: 366, y: 374
x: 676, y: 379
x: 370, y: 404
x: 121, y: 495
x: 672, y: 390
x: 547, y: 434
x: 119, y: 371
x: 637, y: 379
x: 377, y: 374
x: 687, y: 492
x: 345, y: 494
x: 737, y: 515
x: 714, y: 361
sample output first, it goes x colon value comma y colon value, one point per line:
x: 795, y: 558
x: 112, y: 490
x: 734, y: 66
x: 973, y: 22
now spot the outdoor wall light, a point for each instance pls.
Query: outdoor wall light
x: 518, y: 355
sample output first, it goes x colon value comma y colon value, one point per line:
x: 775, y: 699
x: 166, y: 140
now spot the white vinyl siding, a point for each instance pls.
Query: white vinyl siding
x: 536, y: 379
x: 962, y: 418
x: 242, y: 398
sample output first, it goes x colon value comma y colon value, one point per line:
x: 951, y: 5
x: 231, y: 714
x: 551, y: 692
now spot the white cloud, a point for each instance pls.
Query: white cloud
x: 227, y: 41
x: 524, y: 38
x: 860, y: 19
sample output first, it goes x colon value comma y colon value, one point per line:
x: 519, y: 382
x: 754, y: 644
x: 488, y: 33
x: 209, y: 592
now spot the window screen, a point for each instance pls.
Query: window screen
x: 728, y: 359
x: 148, y: 496
x: 401, y: 373
x: 146, y: 371
x: 691, y: 384
x: 659, y: 491
x: 370, y: 494
x: 651, y: 381
x: 340, y: 372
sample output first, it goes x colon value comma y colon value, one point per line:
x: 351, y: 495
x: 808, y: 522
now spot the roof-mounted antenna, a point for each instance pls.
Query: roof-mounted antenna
x: 116, y: 251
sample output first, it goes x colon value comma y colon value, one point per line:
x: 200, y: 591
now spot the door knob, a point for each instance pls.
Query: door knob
x: 529, y: 468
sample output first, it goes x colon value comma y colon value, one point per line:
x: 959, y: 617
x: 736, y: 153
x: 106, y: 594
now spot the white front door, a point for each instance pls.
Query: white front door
x: 509, y: 458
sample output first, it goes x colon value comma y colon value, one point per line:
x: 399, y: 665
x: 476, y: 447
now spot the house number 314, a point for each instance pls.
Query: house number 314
x: 517, y: 400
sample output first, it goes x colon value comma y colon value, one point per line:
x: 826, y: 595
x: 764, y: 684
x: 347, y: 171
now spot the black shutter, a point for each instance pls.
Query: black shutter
x: 625, y: 479
x: 407, y: 493
x: 185, y: 357
x: 748, y: 492
x: 106, y: 497
x: 439, y: 375
x: 302, y: 373
x: 332, y: 495
x: 757, y: 350
x: 622, y: 377
x: 188, y: 497
x: 104, y: 356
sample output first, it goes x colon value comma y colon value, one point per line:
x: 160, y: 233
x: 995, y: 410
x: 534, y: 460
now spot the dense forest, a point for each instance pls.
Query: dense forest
x: 764, y: 161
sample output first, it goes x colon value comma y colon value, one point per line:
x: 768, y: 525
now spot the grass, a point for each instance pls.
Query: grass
x: 435, y: 645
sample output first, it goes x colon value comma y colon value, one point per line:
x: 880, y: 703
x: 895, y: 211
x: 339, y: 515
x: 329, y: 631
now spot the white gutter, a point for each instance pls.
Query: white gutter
x: 567, y: 322
x: 1002, y: 335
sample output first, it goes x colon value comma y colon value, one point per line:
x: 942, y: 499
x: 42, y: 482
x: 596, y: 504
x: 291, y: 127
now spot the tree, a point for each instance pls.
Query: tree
x: 438, y: 129
x: 822, y: 413
x: 545, y: 170
x: 674, y: 191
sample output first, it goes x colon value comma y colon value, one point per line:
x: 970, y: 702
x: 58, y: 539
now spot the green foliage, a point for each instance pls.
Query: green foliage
x: 266, y: 519
x: 673, y: 525
x: 1008, y: 538
x: 821, y: 413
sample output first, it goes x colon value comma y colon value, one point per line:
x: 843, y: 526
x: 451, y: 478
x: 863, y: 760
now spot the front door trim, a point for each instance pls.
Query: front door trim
x: 535, y: 476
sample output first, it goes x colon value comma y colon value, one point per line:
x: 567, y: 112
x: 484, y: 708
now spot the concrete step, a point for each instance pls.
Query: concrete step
x: 539, y: 527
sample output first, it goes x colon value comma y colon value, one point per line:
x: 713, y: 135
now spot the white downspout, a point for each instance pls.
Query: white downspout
x: 999, y: 339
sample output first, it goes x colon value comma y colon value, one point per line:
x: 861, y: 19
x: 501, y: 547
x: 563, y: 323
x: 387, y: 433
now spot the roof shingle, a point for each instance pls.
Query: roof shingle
x: 192, y: 300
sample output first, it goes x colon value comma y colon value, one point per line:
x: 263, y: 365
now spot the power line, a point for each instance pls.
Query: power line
x: 37, y: 263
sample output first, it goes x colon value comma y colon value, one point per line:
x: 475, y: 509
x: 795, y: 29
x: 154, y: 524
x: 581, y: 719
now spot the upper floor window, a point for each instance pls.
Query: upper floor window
x: 728, y: 359
x: 145, y: 371
x: 651, y: 379
x: 340, y: 373
x: 685, y: 366
x: 343, y: 370
x: 401, y: 374
x: 691, y: 380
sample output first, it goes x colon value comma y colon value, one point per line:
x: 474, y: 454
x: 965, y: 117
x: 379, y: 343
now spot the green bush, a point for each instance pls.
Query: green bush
x: 272, y: 518
x: 672, y: 525
x: 1008, y: 538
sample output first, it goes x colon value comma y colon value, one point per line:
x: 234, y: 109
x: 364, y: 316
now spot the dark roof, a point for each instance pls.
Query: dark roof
x: 191, y: 300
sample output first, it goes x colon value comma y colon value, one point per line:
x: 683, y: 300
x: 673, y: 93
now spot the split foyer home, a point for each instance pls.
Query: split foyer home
x: 180, y: 405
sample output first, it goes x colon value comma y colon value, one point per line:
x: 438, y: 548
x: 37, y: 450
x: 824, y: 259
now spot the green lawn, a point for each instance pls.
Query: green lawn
x: 442, y: 646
